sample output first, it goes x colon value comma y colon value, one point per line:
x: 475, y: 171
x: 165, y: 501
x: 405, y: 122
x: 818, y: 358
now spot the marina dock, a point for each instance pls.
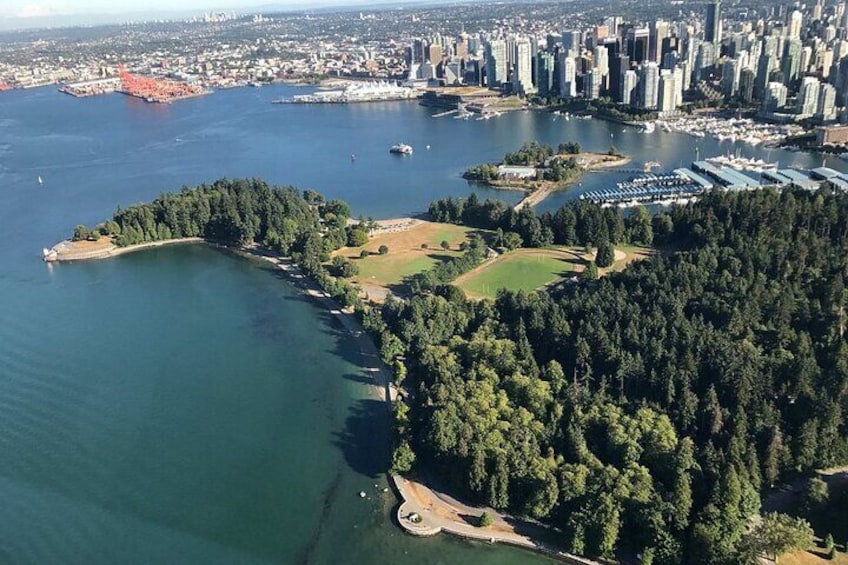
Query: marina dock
x: 684, y: 184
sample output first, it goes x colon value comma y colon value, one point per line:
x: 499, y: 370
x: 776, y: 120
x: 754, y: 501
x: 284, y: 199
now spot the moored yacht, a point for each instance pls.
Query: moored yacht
x: 401, y: 149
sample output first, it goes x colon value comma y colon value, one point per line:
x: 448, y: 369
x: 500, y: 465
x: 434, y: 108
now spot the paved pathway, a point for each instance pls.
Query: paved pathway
x: 426, y: 512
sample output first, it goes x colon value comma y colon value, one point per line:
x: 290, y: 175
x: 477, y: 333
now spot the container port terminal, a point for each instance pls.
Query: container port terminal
x: 687, y: 183
x: 149, y: 89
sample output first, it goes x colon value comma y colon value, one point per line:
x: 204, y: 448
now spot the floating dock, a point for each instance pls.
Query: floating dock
x: 651, y: 188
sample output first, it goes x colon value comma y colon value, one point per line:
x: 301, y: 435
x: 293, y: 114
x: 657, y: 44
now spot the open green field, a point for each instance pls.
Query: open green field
x: 406, y: 257
x: 522, y: 269
x: 392, y: 269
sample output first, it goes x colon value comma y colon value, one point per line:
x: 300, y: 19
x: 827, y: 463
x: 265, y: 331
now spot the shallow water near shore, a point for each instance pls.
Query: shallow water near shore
x: 188, y: 405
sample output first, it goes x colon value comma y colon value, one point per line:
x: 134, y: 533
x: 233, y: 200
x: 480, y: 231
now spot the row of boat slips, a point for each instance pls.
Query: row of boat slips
x: 811, y: 179
x: 725, y: 177
x: 651, y: 188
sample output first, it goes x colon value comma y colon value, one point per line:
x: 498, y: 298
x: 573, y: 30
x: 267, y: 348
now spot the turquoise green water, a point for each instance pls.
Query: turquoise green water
x: 184, y: 405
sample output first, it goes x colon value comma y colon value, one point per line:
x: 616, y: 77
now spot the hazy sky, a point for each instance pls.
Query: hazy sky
x: 42, y: 8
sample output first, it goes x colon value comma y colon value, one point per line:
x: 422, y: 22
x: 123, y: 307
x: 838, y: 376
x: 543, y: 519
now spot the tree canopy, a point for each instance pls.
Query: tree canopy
x: 648, y: 409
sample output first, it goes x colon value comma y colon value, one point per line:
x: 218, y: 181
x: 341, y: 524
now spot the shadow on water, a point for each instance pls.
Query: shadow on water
x: 365, y: 438
x: 304, y: 556
x: 364, y: 441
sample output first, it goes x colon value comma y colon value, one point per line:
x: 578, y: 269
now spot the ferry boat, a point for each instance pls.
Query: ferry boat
x: 401, y: 149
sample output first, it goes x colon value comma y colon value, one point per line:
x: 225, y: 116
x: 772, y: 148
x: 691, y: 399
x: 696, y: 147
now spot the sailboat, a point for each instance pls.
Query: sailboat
x: 39, y: 180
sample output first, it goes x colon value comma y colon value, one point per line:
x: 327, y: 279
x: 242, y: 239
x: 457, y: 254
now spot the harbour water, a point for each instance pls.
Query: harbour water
x: 186, y: 405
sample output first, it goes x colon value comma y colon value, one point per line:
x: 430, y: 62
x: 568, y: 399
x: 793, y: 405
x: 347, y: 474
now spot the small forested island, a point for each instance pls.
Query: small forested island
x: 643, y: 416
x: 538, y: 166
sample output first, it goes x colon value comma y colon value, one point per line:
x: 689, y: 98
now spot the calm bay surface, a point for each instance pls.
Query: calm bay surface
x: 187, y: 405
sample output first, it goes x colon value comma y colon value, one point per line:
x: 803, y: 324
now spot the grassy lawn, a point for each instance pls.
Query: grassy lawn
x: 406, y: 256
x: 816, y: 557
x: 391, y: 269
x: 522, y: 269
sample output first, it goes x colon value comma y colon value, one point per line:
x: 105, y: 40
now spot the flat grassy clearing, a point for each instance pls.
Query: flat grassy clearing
x: 624, y: 255
x: 816, y: 557
x: 405, y: 256
x: 523, y: 269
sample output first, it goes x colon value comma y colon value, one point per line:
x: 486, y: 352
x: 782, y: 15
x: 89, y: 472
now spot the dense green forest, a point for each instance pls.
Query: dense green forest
x: 648, y: 411
x: 576, y: 223
x: 243, y: 212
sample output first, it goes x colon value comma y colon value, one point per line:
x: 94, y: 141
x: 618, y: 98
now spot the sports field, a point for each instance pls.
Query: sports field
x: 522, y: 269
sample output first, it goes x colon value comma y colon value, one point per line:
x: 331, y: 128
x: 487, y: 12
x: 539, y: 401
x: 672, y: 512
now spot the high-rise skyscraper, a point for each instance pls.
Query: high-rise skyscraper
x: 659, y: 32
x: 808, y: 96
x: 826, y: 107
x: 496, y: 63
x: 601, y: 62
x: 616, y: 82
x: 667, y: 96
x: 795, y: 21
x: 775, y: 97
x: 545, y: 77
x: 571, y: 41
x: 746, y: 85
x: 765, y: 66
x: 567, y: 75
x: 637, y: 43
x: 592, y: 81
x: 523, y: 77
x: 730, y: 77
x: 669, y: 45
x: 712, y: 26
x: 791, y: 62
x: 629, y: 80
x: 649, y: 79
x: 705, y: 61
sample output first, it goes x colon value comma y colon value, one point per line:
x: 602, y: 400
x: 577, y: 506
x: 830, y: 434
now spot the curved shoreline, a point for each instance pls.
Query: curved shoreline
x: 371, y: 361
x: 64, y: 251
x: 381, y: 388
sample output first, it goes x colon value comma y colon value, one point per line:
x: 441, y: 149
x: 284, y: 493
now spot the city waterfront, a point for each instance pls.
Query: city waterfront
x: 187, y: 405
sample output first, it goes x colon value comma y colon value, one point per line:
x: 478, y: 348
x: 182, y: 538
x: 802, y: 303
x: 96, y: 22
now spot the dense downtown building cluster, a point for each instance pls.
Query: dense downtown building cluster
x: 786, y: 61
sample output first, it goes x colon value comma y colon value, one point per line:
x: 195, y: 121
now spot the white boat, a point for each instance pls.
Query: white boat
x: 401, y: 149
x: 39, y: 180
x: 648, y: 127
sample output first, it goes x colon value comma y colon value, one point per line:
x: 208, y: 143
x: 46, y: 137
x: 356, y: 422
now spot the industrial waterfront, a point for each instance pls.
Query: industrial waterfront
x: 238, y: 450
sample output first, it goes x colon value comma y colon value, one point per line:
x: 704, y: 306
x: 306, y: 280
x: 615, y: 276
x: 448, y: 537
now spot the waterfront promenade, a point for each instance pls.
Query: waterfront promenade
x: 427, y: 512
